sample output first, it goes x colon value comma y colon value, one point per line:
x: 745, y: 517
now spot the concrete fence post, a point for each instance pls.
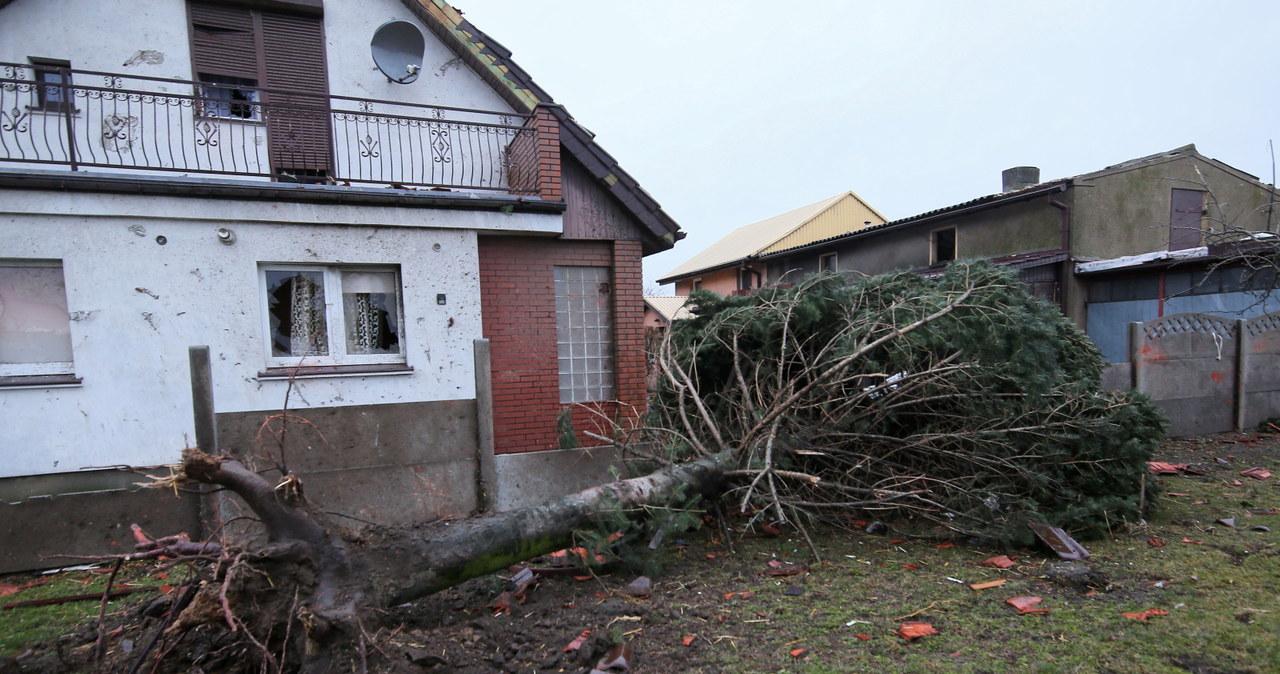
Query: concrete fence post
x: 1242, y: 368
x: 1135, y: 355
x: 202, y: 399
x: 486, y: 472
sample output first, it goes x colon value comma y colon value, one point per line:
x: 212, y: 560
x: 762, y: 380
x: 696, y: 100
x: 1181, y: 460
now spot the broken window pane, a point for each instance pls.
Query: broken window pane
x: 370, y: 311
x: 35, y: 330
x: 296, y: 310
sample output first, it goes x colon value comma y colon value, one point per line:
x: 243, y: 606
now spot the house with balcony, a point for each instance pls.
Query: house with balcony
x: 404, y: 279
x: 733, y: 264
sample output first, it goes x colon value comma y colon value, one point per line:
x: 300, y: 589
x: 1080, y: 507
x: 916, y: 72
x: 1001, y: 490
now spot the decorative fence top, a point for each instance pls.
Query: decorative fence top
x: 85, y: 119
x: 1182, y: 324
x: 1263, y: 324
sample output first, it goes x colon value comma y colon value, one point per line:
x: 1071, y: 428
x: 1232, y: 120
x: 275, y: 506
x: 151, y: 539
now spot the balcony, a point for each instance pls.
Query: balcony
x: 108, y: 122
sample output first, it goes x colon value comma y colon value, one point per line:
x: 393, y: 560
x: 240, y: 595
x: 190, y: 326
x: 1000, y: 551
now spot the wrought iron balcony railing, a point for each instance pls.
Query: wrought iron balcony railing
x: 88, y: 120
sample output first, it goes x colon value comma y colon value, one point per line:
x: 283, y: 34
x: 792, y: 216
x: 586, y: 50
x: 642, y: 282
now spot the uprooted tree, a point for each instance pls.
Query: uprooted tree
x: 956, y: 403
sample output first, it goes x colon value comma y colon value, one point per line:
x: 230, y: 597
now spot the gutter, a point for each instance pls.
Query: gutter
x: 271, y: 191
x: 1064, y: 243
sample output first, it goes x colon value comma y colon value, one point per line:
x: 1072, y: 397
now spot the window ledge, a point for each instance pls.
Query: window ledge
x: 320, y: 371
x: 41, y: 381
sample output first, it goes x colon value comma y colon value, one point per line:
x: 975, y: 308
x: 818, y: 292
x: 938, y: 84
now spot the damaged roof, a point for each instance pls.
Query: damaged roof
x: 492, y: 62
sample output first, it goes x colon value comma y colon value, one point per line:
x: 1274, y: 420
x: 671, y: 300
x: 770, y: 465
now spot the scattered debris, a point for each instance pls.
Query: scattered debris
x: 502, y: 604
x: 1162, y: 468
x: 1226, y: 521
x: 1027, y: 605
x: 82, y: 567
x: 798, y: 652
x: 1257, y: 473
x: 639, y: 588
x: 617, y: 660
x: 781, y: 568
x: 1076, y: 575
x: 912, y: 631
x: 78, y: 597
x: 988, y: 585
x: 1146, y: 614
x: 578, y: 641
x: 1156, y: 542
x: 1059, y: 541
x: 999, y: 561
x: 1259, y: 527
x: 1264, y: 511
x: 689, y: 639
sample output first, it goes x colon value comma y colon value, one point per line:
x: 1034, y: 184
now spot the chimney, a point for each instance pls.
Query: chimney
x: 1019, y: 177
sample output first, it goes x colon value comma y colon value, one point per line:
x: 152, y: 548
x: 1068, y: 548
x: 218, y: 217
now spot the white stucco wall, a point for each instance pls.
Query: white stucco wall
x: 130, y: 347
x: 137, y: 306
x: 108, y: 35
x: 443, y: 80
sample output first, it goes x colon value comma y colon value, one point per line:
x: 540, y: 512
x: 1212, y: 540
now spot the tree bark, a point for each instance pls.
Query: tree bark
x: 326, y: 579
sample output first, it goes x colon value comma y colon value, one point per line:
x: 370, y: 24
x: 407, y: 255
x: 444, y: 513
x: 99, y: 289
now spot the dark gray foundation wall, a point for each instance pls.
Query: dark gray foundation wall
x: 34, y: 530
x: 388, y: 464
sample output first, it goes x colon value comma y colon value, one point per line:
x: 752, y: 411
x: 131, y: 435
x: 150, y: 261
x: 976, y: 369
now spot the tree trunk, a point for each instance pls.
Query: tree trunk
x: 306, y: 595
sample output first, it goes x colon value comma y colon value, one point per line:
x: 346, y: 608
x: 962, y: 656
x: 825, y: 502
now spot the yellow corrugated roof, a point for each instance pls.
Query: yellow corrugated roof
x: 669, y: 307
x: 756, y: 238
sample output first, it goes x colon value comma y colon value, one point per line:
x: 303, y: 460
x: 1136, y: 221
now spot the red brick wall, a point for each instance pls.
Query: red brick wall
x: 517, y: 287
x: 534, y: 157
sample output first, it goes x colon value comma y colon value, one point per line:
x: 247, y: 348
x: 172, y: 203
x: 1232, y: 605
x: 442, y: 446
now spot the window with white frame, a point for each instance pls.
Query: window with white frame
x: 332, y: 315
x: 584, y: 333
x: 35, y: 328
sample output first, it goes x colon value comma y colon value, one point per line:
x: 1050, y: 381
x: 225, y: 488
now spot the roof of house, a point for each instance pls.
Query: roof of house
x: 492, y: 62
x: 1029, y: 192
x: 759, y: 238
x: 670, y: 308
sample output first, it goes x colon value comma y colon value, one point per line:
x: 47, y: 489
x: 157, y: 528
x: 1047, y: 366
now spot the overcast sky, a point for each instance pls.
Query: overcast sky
x: 729, y: 112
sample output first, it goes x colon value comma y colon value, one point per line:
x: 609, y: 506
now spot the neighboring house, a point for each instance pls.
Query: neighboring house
x: 428, y: 273
x: 733, y: 264
x: 659, y: 312
x: 1130, y: 242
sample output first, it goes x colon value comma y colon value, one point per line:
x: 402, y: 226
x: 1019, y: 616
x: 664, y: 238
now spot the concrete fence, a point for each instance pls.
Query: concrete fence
x: 1208, y: 373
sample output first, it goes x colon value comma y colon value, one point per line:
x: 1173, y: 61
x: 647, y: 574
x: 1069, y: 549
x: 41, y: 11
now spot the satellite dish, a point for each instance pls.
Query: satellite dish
x: 397, y: 49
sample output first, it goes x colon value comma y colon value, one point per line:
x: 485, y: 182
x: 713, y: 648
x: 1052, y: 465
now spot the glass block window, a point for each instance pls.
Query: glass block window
x: 584, y: 333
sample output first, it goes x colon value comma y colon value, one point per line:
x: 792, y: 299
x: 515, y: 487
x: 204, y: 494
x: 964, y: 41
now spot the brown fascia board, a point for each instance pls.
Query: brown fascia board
x: 965, y: 208
x: 733, y: 264
x: 579, y: 142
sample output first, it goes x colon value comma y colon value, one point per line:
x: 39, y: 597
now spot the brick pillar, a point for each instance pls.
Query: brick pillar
x: 628, y: 314
x: 547, y: 128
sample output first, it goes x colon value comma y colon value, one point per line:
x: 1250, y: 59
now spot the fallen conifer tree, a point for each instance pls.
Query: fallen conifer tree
x: 957, y: 403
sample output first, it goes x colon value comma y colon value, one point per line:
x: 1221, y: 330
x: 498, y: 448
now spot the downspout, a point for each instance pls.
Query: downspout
x: 746, y: 266
x: 1064, y: 242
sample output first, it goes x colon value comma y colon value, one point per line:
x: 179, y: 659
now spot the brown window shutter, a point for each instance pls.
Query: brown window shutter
x: 223, y: 41
x: 298, y: 119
